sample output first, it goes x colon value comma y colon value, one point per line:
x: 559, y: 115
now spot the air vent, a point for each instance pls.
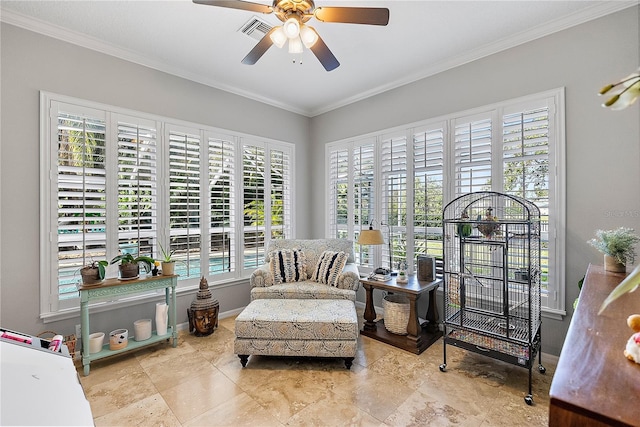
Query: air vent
x: 255, y: 28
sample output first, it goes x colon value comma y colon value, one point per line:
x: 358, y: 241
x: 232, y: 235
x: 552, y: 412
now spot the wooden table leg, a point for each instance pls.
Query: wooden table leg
x: 432, y: 312
x: 413, y: 327
x: 369, y: 310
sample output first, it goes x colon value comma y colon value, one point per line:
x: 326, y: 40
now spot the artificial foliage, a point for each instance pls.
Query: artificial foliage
x: 618, y: 243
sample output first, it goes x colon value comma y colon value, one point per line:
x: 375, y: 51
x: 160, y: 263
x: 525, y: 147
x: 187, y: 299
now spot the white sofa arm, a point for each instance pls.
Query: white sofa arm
x: 349, y: 278
x: 261, y: 277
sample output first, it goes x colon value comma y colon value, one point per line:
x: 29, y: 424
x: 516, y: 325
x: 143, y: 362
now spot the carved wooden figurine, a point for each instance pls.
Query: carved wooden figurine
x: 203, y: 313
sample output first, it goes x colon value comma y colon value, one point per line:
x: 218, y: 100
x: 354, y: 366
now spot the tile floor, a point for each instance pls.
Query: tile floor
x: 201, y: 383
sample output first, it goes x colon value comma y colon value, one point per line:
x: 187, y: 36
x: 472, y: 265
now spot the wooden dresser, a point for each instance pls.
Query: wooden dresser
x: 594, y: 384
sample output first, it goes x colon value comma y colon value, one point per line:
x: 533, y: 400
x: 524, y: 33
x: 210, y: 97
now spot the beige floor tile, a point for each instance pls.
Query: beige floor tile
x: 215, y: 346
x: 228, y: 323
x: 162, y: 352
x: 239, y: 411
x: 421, y: 409
x: 201, y: 382
x: 370, y: 351
x: 201, y: 393
x: 108, y: 396
x: 109, y: 369
x: 342, y: 413
x: 178, y: 369
x: 378, y: 394
x: 283, y: 392
x: 151, y: 411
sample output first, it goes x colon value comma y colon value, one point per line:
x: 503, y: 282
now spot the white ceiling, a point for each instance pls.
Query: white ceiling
x: 203, y: 44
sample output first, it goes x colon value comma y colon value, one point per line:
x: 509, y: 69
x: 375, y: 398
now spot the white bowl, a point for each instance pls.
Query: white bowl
x: 95, y: 342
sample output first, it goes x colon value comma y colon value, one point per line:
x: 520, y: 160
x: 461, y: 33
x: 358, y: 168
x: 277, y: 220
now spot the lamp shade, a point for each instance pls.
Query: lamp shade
x: 309, y: 37
x: 291, y: 28
x: 370, y: 237
x: 295, y: 45
x: 278, y: 37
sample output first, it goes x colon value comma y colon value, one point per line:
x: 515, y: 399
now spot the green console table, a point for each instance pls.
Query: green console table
x: 117, y: 288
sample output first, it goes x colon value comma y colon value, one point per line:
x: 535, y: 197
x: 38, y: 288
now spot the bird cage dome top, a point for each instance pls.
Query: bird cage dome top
x: 502, y: 207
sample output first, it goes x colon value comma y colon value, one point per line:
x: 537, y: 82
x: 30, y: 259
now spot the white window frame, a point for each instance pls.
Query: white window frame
x: 51, y: 307
x: 554, y: 298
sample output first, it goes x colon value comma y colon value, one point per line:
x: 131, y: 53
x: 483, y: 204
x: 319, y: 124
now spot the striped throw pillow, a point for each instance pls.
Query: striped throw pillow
x: 288, y: 265
x: 330, y: 265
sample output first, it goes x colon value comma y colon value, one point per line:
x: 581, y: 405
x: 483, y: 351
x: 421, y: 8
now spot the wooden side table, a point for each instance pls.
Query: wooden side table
x: 116, y: 287
x: 419, y: 337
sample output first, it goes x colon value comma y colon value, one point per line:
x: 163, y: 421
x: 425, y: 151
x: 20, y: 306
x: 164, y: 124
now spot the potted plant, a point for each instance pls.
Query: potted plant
x: 130, y: 266
x: 168, y: 263
x: 94, y: 272
x: 617, y: 246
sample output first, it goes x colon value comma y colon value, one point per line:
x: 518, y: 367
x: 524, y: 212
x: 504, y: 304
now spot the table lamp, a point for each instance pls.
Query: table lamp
x: 371, y: 237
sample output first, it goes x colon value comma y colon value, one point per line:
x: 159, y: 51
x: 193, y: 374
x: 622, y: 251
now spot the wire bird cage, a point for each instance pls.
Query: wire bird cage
x: 492, y: 276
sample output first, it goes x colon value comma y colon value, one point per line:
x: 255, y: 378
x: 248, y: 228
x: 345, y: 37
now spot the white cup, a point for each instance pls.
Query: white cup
x: 142, y: 329
x: 95, y: 342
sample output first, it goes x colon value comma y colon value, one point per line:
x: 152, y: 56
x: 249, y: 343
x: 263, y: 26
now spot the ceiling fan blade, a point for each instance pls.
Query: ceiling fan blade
x: 237, y: 4
x: 324, y: 55
x: 353, y: 15
x: 258, y: 50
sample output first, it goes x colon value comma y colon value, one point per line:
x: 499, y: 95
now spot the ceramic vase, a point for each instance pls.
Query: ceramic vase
x: 612, y: 265
x: 142, y: 329
x: 168, y: 268
x: 162, y: 318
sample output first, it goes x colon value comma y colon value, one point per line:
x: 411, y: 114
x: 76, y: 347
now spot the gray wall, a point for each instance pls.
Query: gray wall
x: 603, y: 147
x: 32, y: 62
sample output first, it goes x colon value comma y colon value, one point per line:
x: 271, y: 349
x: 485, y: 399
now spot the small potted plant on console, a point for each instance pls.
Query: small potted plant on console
x: 130, y: 267
x: 93, y: 273
x: 617, y: 246
x: 168, y: 263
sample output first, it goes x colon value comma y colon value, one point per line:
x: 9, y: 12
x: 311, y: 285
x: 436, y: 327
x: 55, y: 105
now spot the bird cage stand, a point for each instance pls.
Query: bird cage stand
x: 492, y: 278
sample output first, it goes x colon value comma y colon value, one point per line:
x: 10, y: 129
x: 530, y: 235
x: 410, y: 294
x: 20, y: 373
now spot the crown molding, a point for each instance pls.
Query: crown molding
x: 42, y: 27
x: 597, y: 11
x: 92, y: 43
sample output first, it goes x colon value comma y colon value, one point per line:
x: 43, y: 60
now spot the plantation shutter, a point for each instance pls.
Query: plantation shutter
x: 137, y: 187
x: 280, y: 166
x: 428, y: 189
x: 472, y: 154
x: 338, y: 192
x: 184, y: 200
x: 253, y: 201
x: 526, y: 150
x: 222, y: 240
x: 81, y: 197
x: 394, y: 177
x: 363, y: 197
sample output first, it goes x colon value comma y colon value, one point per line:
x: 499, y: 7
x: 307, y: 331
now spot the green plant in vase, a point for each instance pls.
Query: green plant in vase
x: 130, y: 266
x: 168, y: 263
x: 94, y: 272
x: 617, y: 246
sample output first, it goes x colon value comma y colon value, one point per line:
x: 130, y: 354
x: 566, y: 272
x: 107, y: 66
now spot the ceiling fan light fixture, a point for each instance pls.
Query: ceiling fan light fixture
x: 295, y: 45
x: 278, y: 37
x: 308, y: 36
x: 292, y: 28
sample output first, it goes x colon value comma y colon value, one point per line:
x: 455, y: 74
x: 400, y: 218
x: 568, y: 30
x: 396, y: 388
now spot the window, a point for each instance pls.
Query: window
x: 114, y: 182
x: 515, y: 147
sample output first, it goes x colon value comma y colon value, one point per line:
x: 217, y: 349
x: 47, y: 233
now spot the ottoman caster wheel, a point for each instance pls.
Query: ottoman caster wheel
x: 528, y: 399
x: 243, y: 359
x: 443, y: 367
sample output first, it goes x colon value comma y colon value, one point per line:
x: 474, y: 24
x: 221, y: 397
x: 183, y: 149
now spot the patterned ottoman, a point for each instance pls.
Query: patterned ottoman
x: 297, y: 327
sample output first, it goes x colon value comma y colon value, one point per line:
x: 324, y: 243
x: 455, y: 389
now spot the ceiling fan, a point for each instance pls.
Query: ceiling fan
x: 294, y: 14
